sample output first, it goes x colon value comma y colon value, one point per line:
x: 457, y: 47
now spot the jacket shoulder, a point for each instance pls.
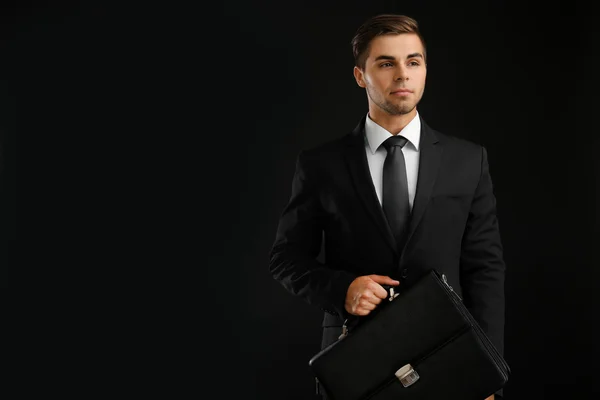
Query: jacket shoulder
x: 459, y: 147
x: 458, y: 142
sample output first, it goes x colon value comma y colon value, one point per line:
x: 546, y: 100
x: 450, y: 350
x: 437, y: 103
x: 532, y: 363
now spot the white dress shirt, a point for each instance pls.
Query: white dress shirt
x: 375, y: 135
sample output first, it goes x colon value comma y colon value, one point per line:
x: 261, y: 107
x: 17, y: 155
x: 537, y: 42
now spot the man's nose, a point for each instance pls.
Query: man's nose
x: 401, y: 74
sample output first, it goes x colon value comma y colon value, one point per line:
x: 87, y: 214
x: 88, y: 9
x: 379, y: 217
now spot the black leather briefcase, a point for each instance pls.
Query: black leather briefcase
x: 422, y: 344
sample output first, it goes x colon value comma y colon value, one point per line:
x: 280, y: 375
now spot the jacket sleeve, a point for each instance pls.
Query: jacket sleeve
x: 482, y: 265
x: 293, y: 256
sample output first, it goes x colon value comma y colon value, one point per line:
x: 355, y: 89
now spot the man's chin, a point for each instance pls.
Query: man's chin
x: 403, y: 110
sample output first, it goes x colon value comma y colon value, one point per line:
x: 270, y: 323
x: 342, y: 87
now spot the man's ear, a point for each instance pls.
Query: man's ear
x: 359, y: 76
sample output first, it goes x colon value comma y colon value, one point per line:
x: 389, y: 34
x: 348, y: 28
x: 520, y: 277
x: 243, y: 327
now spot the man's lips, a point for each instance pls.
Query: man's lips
x: 401, y: 92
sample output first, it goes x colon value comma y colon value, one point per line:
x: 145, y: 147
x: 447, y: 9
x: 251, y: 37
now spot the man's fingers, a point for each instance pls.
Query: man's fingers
x: 367, y: 297
x: 369, y: 302
x: 367, y: 305
x: 380, y: 292
x: 366, y: 291
x: 384, y: 280
x: 364, y: 308
x: 377, y: 290
x: 363, y: 305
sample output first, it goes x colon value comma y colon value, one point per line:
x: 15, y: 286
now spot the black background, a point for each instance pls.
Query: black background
x: 174, y: 131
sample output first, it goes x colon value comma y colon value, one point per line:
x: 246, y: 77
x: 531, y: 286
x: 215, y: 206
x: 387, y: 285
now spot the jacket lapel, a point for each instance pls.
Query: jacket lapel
x: 356, y: 159
x: 429, y: 162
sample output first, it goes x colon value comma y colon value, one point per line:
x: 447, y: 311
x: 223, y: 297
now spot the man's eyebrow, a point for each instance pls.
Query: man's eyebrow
x: 392, y: 58
x: 384, y: 57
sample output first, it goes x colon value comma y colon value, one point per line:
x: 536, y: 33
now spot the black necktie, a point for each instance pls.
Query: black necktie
x: 395, y: 189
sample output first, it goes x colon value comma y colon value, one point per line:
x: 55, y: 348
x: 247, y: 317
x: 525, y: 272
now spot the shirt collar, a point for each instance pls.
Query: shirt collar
x: 376, y: 135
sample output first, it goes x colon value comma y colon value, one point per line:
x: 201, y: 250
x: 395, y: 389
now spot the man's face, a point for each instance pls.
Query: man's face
x: 394, y: 73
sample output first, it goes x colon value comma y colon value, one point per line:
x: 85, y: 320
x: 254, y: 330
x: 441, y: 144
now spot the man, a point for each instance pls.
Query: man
x: 387, y: 221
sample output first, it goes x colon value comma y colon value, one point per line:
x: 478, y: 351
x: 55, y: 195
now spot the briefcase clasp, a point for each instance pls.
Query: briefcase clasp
x: 407, y: 375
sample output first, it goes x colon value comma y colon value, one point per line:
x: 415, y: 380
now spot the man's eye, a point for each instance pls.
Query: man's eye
x: 414, y: 63
x: 386, y: 64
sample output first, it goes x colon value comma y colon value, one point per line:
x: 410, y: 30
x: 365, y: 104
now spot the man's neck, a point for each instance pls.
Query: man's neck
x: 392, y: 123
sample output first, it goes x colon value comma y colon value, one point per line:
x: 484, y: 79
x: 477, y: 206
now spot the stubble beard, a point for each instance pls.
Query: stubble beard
x: 403, y: 108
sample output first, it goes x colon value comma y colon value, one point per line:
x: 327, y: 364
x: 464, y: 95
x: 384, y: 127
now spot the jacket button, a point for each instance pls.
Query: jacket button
x: 404, y: 273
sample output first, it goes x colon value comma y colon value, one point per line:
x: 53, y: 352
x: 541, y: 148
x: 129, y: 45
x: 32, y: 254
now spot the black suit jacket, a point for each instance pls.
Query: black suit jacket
x: 453, y: 228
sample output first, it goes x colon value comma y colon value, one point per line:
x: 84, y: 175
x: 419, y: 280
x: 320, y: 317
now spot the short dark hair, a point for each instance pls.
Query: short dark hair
x: 383, y: 24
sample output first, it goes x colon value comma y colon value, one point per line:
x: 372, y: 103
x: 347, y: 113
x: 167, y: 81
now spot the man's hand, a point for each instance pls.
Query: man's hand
x: 366, y: 292
x: 490, y: 398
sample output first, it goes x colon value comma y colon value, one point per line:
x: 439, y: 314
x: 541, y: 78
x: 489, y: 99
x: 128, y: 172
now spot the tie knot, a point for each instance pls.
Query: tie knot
x: 395, y: 141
